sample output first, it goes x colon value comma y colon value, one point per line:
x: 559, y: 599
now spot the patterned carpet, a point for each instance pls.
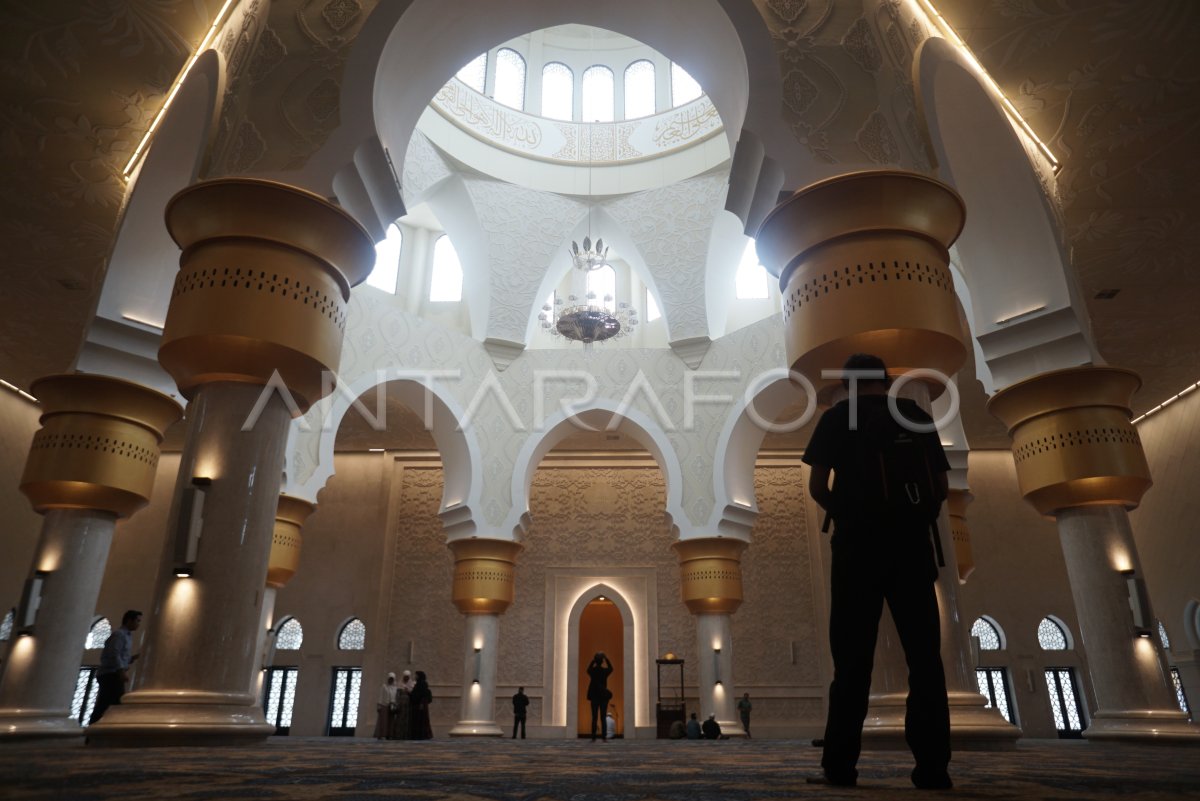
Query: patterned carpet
x: 562, y: 770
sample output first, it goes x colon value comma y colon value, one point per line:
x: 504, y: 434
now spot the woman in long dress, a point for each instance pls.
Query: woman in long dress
x: 400, y: 727
x: 385, y: 708
x: 418, y: 710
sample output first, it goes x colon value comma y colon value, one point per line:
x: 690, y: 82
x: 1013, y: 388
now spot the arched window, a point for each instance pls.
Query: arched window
x: 474, y: 73
x: 988, y: 634
x: 639, y: 89
x: 510, y: 79
x: 1051, y: 635
x: 387, y: 260
x: 353, y: 636
x: 558, y: 91
x: 98, y: 634
x: 652, y: 312
x: 602, y: 287
x: 598, y: 94
x: 751, y: 278
x: 684, y: 88
x: 289, y: 636
x: 445, y: 284
x: 1162, y: 636
x: 6, y: 625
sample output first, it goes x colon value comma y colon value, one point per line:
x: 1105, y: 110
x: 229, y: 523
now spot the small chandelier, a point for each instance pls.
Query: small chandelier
x: 583, y: 320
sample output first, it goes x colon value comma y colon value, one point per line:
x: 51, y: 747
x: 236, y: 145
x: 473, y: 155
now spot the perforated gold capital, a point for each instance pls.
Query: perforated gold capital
x: 710, y: 573
x: 483, y: 575
x: 286, y: 539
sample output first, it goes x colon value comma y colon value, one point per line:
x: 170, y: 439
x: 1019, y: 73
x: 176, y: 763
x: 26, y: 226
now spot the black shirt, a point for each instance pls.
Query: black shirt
x: 520, y: 701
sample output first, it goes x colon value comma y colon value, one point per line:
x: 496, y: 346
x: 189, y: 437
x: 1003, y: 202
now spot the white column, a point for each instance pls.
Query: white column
x: 1135, y: 698
x: 480, y: 644
x: 266, y: 637
x: 714, y: 649
x: 41, y: 669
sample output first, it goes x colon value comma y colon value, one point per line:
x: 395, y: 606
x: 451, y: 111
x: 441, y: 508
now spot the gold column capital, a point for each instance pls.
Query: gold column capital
x: 263, y: 284
x: 863, y: 266
x: 956, y: 506
x: 286, y: 539
x: 484, y: 574
x: 710, y: 573
x: 1073, y: 443
x: 99, y: 443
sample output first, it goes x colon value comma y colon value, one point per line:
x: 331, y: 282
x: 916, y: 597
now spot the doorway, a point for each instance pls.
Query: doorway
x: 601, y: 628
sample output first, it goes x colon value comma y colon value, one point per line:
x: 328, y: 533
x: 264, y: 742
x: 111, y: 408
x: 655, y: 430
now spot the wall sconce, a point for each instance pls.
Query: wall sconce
x: 716, y: 666
x: 1139, y: 602
x: 478, y: 662
x: 191, y: 522
x: 31, y: 601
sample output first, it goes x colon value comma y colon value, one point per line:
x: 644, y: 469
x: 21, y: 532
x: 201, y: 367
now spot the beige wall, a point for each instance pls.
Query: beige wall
x: 21, y: 525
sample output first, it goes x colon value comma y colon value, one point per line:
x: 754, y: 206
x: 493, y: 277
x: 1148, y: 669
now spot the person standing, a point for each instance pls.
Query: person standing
x: 744, y: 706
x: 115, y: 660
x: 385, y: 708
x: 419, y: 701
x: 598, y: 672
x: 401, y: 725
x: 520, y: 704
x: 890, y: 478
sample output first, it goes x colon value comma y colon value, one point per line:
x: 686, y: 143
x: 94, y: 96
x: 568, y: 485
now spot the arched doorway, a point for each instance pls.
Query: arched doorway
x: 602, y: 629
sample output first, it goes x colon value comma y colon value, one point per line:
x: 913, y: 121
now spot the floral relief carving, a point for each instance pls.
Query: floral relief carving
x: 340, y: 13
x: 270, y: 53
x: 788, y: 10
x: 859, y: 42
x: 423, y: 168
x: 876, y: 141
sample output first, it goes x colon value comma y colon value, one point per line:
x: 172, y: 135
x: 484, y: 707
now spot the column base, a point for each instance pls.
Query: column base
x: 1144, y: 725
x: 731, y: 728
x: 476, y: 728
x: 973, y: 725
x: 36, y: 724
x: 167, y: 719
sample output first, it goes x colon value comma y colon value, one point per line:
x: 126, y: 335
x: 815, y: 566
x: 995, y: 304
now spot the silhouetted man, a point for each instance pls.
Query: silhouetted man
x: 115, y: 660
x: 520, y: 705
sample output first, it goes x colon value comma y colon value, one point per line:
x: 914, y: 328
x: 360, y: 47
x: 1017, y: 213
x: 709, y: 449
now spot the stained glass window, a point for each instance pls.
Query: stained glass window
x: 602, y: 287
x: 474, y: 73
x: 598, y: 94
x: 343, y: 704
x: 290, y: 635
x: 279, y: 697
x: 558, y: 91
x: 684, y: 88
x: 84, y: 700
x: 989, y: 636
x: 6, y: 625
x: 751, y: 278
x: 639, y: 89
x: 1051, y: 636
x: 353, y: 636
x: 993, y: 685
x: 1064, y: 704
x: 510, y: 79
x: 387, y: 260
x: 446, y: 282
x: 1162, y: 636
x: 98, y: 634
x: 1180, y: 696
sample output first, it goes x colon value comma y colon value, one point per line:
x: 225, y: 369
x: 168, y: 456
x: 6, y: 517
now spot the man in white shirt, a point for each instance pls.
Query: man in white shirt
x: 115, y: 660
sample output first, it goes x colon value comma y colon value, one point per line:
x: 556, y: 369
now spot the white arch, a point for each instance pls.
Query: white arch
x: 630, y: 658
x: 421, y: 391
x: 1063, y: 627
x: 601, y: 413
x: 1012, y: 252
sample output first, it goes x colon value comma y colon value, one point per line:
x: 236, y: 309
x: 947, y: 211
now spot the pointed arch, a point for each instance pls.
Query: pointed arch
x: 630, y: 642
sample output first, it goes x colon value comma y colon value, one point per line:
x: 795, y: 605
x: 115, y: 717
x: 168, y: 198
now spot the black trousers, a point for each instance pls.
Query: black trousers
x: 598, y: 710
x: 112, y: 687
x: 519, y: 720
x: 866, y: 572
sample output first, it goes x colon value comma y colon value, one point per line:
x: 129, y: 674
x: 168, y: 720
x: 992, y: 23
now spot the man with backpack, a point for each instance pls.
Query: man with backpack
x: 890, y: 478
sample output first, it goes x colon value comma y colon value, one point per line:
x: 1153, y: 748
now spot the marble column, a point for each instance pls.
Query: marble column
x: 1080, y: 460
x: 252, y: 337
x: 864, y: 267
x: 483, y: 589
x: 711, y: 585
x: 92, y: 462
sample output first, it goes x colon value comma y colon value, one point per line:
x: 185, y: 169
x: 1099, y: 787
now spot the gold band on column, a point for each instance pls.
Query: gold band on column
x: 285, y: 540
x: 263, y: 285
x: 864, y: 267
x: 483, y: 575
x: 98, y: 446
x: 1072, y: 440
x: 710, y: 573
x: 956, y: 505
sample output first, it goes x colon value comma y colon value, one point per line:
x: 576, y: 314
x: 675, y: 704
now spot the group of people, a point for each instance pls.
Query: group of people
x: 403, y: 708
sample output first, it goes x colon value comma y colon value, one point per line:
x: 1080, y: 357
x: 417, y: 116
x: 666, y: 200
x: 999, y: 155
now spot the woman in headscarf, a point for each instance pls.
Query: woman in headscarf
x: 385, y: 708
x: 418, y: 711
x: 400, y: 727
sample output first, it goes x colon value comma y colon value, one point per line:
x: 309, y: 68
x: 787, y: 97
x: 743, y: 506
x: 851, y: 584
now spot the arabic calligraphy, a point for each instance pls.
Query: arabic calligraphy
x: 489, y: 118
x: 690, y: 122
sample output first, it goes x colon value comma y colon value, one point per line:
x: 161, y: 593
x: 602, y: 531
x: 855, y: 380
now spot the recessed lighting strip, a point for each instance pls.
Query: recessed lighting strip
x: 204, y: 43
x: 1015, y: 115
x: 1165, y: 403
x: 19, y: 391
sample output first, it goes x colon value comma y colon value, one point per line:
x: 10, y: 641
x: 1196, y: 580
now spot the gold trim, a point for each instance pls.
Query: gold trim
x: 484, y: 575
x: 710, y: 573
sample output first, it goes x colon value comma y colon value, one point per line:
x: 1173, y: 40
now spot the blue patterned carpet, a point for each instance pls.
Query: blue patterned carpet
x: 568, y: 770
